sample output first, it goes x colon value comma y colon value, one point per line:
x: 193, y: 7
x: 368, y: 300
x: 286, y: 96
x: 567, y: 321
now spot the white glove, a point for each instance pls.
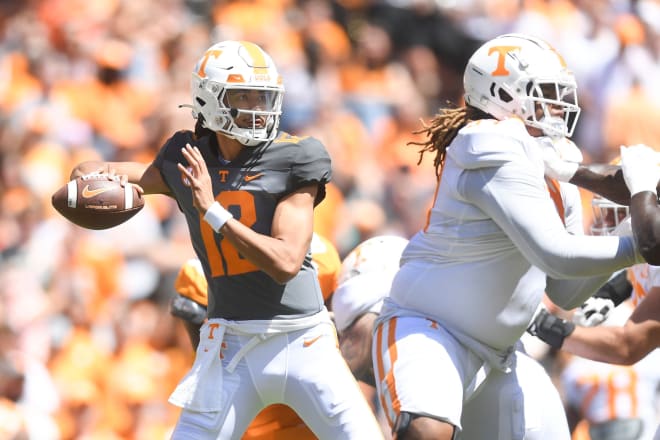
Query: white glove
x: 561, y: 157
x: 639, y: 164
x: 593, y: 312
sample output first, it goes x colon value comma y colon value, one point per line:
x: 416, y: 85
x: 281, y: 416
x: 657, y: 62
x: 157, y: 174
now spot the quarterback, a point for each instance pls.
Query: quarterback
x: 248, y: 191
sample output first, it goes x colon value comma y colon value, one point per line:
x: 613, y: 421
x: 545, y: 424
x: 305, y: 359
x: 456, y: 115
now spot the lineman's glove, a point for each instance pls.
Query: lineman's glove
x: 561, y: 158
x: 593, y: 312
x: 639, y: 164
x: 550, y: 329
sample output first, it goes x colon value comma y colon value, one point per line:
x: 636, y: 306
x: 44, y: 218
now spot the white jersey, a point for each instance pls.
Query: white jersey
x: 643, y: 278
x: 606, y: 394
x: 479, y: 267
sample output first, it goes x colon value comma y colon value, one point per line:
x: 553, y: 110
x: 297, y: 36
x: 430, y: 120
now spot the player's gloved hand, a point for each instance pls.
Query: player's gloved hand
x: 639, y: 164
x: 593, y: 312
x: 561, y: 157
x: 550, y: 329
x: 187, y: 309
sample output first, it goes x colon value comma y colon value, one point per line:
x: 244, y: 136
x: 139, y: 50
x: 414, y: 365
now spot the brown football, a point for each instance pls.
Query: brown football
x: 95, y: 201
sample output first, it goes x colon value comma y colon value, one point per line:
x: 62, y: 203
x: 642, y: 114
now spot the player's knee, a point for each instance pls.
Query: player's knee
x: 410, y: 426
x: 187, y: 309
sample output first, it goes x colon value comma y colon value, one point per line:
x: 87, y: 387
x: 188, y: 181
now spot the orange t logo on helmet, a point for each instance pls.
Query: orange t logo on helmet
x: 502, y: 51
x: 209, y: 53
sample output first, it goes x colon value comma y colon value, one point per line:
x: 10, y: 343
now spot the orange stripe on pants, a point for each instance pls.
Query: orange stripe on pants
x: 389, y: 378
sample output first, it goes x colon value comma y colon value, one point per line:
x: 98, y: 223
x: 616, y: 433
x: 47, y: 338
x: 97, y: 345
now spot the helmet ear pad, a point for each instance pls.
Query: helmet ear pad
x: 206, y: 104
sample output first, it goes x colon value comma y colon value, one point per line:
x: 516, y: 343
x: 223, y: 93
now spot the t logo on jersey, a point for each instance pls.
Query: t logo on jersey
x: 502, y: 52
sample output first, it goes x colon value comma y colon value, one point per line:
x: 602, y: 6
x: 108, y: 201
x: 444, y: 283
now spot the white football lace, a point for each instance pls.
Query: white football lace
x: 94, y: 176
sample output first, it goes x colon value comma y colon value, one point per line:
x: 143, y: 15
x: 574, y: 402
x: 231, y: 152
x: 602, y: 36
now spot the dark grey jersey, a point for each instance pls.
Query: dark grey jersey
x: 249, y: 187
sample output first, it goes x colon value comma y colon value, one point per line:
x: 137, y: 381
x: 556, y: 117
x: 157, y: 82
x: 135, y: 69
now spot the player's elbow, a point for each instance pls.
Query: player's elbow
x: 623, y: 355
x: 284, y: 272
x: 629, y: 351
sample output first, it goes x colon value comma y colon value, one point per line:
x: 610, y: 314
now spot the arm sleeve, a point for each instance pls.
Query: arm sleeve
x: 571, y: 293
x: 312, y: 166
x: 517, y: 200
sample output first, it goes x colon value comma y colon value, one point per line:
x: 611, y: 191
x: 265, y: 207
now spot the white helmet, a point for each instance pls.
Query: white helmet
x: 607, y: 215
x: 224, y: 78
x: 512, y: 74
x: 379, y: 254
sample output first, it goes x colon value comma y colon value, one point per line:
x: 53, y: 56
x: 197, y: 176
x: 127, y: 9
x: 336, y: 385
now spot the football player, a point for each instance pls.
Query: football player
x: 471, y: 279
x: 190, y: 303
x: 617, y: 401
x: 364, y: 282
x: 248, y: 191
x: 625, y: 344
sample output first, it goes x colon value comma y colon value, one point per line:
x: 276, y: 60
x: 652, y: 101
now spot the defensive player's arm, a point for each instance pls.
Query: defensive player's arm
x: 621, y: 345
x: 355, y: 345
x: 145, y: 175
x: 617, y: 345
x: 645, y: 217
x: 605, y: 180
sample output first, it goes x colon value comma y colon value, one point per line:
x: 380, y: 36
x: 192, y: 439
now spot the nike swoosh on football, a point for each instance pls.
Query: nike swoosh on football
x: 253, y: 177
x: 309, y: 342
x: 87, y: 193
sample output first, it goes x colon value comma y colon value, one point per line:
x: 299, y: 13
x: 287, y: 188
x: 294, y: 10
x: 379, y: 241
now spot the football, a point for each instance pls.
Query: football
x: 96, y: 201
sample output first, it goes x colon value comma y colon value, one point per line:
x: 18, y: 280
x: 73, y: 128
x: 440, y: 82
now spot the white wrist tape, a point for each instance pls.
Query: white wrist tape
x: 217, y: 216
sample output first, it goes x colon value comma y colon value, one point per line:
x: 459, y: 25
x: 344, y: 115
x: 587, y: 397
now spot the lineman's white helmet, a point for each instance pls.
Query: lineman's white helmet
x: 512, y: 74
x: 379, y: 254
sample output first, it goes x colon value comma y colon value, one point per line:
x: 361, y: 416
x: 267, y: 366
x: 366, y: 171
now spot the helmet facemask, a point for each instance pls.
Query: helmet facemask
x: 251, y: 114
x: 543, y: 96
x: 607, y: 215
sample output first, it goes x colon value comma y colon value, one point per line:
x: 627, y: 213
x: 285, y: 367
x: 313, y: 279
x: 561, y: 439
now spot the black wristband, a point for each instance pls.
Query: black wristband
x: 550, y: 329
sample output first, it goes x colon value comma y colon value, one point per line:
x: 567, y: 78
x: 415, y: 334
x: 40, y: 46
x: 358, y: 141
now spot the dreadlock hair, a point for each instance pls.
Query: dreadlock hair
x: 443, y: 129
x: 201, y: 131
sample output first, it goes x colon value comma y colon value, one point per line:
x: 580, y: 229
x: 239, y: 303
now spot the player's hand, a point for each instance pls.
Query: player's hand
x: 639, y: 164
x: 111, y: 174
x: 187, y: 309
x: 550, y: 329
x: 561, y: 158
x: 593, y: 312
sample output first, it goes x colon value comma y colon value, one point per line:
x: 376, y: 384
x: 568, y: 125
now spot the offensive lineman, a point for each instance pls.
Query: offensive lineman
x: 471, y: 280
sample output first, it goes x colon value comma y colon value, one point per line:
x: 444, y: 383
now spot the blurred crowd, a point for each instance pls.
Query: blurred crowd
x: 88, y: 348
